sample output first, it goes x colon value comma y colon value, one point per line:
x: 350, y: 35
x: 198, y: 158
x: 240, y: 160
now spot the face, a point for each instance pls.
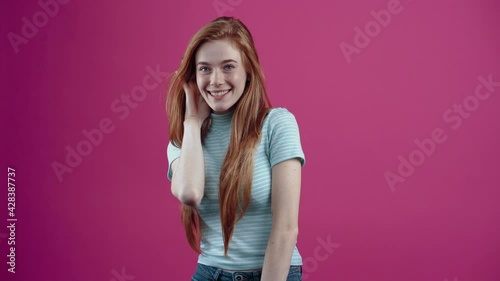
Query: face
x: 220, y: 74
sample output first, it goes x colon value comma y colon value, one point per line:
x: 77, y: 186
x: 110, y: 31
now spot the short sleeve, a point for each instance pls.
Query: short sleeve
x: 284, y: 137
x: 173, y: 153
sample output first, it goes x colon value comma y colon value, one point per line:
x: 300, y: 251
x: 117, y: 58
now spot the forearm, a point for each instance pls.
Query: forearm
x: 278, y: 255
x: 188, y: 181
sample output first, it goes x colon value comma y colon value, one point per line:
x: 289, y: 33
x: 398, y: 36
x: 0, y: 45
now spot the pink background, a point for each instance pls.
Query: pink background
x: 114, y: 213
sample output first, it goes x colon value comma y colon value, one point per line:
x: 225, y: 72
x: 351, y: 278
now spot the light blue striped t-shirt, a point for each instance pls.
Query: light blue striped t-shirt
x: 280, y: 141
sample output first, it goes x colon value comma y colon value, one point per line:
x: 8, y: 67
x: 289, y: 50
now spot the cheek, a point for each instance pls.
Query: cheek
x: 200, y: 82
x: 238, y: 79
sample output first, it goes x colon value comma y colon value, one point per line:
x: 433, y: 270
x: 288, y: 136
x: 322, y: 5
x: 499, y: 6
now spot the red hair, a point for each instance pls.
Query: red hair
x: 248, y: 118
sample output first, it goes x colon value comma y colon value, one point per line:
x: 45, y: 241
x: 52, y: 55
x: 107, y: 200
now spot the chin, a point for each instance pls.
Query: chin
x: 218, y: 110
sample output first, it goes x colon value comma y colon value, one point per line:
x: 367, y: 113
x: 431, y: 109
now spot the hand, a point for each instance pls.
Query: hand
x: 196, y: 106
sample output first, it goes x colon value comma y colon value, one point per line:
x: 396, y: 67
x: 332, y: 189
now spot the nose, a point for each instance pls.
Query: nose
x: 217, y: 78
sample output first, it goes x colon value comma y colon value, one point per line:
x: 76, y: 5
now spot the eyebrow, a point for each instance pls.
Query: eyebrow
x: 224, y: 61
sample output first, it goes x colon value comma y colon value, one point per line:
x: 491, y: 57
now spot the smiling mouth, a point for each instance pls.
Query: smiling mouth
x: 219, y: 93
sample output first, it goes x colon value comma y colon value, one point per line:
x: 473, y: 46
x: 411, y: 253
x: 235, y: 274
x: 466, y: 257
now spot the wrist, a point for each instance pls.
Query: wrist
x: 192, y: 121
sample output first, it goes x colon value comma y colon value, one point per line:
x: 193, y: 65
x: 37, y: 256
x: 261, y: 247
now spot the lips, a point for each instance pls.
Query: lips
x: 219, y: 93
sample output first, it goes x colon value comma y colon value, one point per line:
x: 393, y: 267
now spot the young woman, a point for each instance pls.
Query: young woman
x: 234, y: 161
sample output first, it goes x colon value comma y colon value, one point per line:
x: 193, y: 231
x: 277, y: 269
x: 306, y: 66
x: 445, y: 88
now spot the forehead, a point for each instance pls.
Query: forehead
x: 214, y: 52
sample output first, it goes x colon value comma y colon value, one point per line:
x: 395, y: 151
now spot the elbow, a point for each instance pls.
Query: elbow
x: 188, y: 196
x: 191, y: 199
x: 294, y: 233
x: 292, y: 236
x: 288, y: 233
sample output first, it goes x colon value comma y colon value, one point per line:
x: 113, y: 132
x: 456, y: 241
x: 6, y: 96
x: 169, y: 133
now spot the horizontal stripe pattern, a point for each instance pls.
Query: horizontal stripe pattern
x: 280, y: 141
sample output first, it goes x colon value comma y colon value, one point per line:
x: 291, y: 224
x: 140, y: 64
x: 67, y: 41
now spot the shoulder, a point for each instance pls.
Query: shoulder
x: 280, y: 122
x: 283, y: 136
x: 280, y: 115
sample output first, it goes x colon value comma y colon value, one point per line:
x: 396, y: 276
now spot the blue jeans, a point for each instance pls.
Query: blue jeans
x: 210, y: 273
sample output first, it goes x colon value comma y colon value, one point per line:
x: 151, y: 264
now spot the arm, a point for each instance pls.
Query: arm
x: 188, y: 171
x: 286, y: 178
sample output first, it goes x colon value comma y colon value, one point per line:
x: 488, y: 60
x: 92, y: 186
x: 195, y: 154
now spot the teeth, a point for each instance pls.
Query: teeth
x: 218, y: 94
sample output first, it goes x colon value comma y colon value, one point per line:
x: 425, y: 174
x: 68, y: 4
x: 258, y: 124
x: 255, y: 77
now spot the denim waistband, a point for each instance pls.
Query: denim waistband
x: 216, y: 272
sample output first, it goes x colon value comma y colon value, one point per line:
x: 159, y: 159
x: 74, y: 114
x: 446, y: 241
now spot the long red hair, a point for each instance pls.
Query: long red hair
x: 248, y: 118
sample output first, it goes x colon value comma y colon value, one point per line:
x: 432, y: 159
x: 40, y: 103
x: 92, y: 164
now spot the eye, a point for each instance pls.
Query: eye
x: 203, y: 69
x: 228, y: 67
